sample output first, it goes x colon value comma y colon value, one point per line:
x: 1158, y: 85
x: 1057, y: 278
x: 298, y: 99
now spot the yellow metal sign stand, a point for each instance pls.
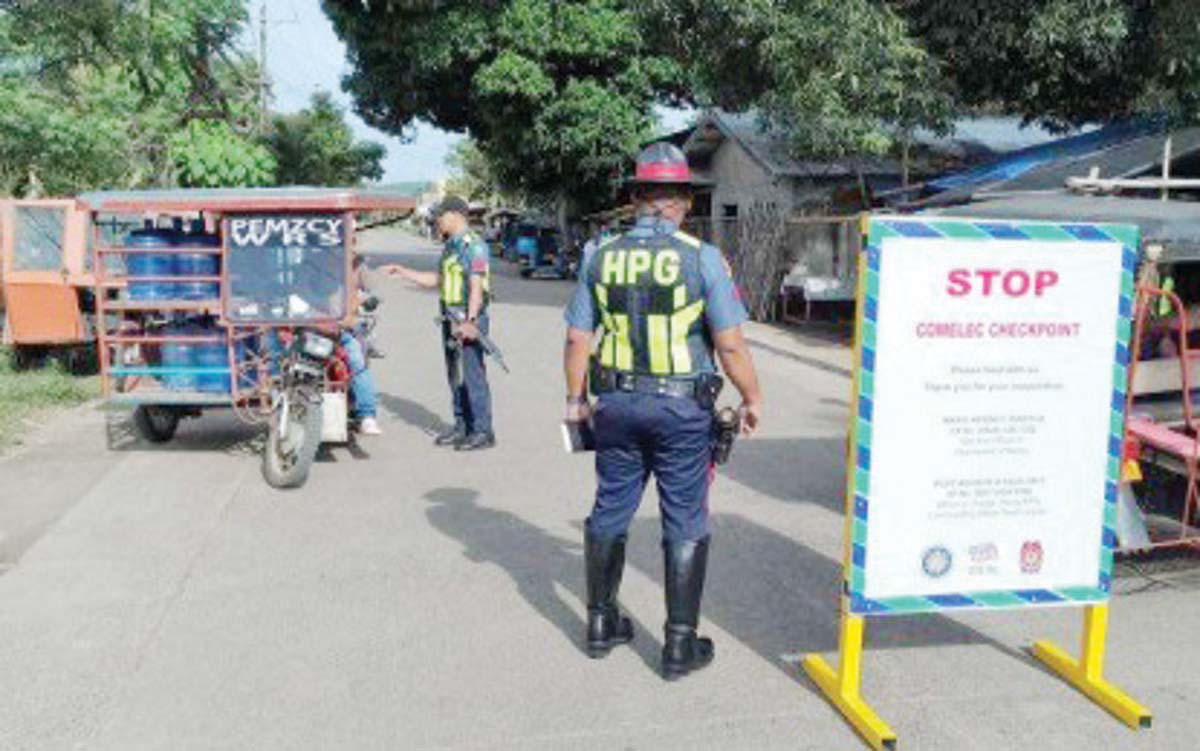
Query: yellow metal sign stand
x: 842, y: 686
x: 1087, y: 673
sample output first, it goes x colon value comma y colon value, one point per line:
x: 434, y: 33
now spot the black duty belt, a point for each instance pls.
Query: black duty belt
x: 613, y: 380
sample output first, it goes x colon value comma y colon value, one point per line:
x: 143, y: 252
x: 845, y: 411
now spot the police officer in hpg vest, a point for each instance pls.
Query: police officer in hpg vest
x: 663, y: 301
x: 464, y: 283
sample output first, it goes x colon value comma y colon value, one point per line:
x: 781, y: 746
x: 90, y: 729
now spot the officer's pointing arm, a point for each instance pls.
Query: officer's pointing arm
x: 426, y: 279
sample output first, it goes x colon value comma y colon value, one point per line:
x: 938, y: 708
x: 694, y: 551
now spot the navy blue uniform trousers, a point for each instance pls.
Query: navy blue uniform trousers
x: 642, y: 434
x: 472, y: 399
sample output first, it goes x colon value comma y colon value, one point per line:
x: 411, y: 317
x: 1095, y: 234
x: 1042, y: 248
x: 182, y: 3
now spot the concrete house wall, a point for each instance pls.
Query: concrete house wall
x: 739, y: 179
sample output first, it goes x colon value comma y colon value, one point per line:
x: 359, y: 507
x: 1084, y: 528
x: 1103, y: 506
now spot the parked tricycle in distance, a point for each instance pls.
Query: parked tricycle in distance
x: 239, y: 299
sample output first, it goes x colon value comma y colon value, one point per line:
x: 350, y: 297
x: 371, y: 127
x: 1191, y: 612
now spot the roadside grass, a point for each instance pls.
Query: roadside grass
x: 24, y: 393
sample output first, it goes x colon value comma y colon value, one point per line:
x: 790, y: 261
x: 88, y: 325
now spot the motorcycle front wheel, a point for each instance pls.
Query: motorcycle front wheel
x: 289, y: 453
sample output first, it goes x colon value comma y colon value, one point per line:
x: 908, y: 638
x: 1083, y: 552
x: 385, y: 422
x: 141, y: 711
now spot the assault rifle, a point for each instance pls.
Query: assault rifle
x: 456, y: 318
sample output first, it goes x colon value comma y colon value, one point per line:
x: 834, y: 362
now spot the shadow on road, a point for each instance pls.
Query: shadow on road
x: 214, y: 431
x: 798, y: 470
x: 770, y: 592
x: 413, y: 413
x: 780, y: 597
x: 537, y: 561
x: 812, y: 362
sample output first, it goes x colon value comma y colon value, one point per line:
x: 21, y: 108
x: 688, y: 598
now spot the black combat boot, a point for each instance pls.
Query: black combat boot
x: 452, y: 436
x: 684, y: 565
x: 606, y: 627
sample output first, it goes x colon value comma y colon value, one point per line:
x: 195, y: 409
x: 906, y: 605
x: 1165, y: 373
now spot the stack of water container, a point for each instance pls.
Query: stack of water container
x: 175, y: 260
x: 198, y: 365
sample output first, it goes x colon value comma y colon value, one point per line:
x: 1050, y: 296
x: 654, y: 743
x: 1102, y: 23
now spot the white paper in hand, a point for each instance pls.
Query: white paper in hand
x: 578, y: 437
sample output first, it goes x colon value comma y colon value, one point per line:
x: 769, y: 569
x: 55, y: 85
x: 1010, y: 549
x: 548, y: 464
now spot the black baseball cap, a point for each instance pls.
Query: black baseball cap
x: 457, y: 204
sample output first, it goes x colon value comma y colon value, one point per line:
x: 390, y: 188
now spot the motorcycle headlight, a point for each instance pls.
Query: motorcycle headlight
x: 315, y: 345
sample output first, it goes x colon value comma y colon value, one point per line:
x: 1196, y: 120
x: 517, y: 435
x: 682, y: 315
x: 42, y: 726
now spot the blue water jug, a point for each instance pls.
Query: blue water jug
x: 150, y: 265
x: 212, y: 355
x: 178, y: 355
x: 197, y: 264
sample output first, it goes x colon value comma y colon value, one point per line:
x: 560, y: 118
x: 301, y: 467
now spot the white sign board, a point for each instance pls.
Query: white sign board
x: 991, y: 407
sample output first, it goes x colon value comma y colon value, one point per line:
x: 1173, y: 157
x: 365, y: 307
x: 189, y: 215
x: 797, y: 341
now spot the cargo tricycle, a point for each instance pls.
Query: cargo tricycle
x: 233, y: 298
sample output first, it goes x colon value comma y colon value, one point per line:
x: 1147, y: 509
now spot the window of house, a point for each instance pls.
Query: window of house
x: 729, y: 211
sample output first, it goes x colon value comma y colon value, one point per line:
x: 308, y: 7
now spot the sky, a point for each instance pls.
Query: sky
x: 304, y: 55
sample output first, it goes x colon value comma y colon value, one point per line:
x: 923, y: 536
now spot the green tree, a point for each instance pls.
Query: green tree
x: 473, y: 176
x: 316, y: 147
x: 1066, y: 62
x: 838, y: 76
x: 855, y: 75
x: 557, y: 94
x: 209, y: 154
x: 93, y: 94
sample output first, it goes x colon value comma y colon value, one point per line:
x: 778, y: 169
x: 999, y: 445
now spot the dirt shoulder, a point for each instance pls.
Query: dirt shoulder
x: 26, y: 396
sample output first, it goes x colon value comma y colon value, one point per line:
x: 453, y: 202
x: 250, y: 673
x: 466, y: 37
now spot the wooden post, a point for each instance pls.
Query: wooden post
x: 1166, y: 167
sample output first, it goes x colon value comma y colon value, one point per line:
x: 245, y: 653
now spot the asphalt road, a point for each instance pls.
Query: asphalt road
x: 163, y: 597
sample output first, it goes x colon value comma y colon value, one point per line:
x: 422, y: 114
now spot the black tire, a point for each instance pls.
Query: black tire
x: 156, y: 424
x: 286, y: 465
x: 28, y: 357
x: 79, y: 359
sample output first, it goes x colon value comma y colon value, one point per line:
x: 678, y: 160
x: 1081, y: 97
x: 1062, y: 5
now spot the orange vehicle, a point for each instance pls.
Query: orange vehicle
x: 45, y: 275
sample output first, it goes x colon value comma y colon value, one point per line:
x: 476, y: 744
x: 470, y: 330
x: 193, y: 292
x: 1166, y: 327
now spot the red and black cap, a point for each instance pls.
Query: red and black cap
x: 662, y: 164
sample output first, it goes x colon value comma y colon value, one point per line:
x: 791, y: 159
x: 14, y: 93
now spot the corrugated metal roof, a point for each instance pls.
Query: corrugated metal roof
x: 1129, y: 159
x: 1117, y: 151
x: 1173, y: 224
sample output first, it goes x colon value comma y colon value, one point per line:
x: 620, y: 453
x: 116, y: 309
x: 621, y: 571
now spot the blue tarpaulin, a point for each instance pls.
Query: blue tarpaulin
x: 1017, y: 163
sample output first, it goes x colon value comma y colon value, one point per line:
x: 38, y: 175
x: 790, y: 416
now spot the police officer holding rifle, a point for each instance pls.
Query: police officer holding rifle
x: 663, y: 301
x: 463, y: 282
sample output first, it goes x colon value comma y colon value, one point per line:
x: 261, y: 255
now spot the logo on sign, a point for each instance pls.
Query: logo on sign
x: 984, y: 552
x: 937, y: 561
x: 1032, y: 556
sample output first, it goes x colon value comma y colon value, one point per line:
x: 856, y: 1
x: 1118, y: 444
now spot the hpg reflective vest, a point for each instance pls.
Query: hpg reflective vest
x: 650, y: 295
x: 455, y: 290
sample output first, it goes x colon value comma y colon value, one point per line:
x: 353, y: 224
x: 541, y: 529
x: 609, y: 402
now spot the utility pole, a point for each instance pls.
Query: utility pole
x: 262, y: 68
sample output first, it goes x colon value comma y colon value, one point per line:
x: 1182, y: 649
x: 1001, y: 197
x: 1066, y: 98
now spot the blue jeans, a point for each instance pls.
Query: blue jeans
x: 362, y: 380
x: 472, y: 399
x: 642, y: 434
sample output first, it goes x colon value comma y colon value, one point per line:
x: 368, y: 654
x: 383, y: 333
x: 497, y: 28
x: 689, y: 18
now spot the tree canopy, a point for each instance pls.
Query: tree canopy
x: 93, y: 94
x: 128, y: 93
x: 1066, y: 62
x: 315, y: 146
x: 557, y: 93
x: 474, y: 177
